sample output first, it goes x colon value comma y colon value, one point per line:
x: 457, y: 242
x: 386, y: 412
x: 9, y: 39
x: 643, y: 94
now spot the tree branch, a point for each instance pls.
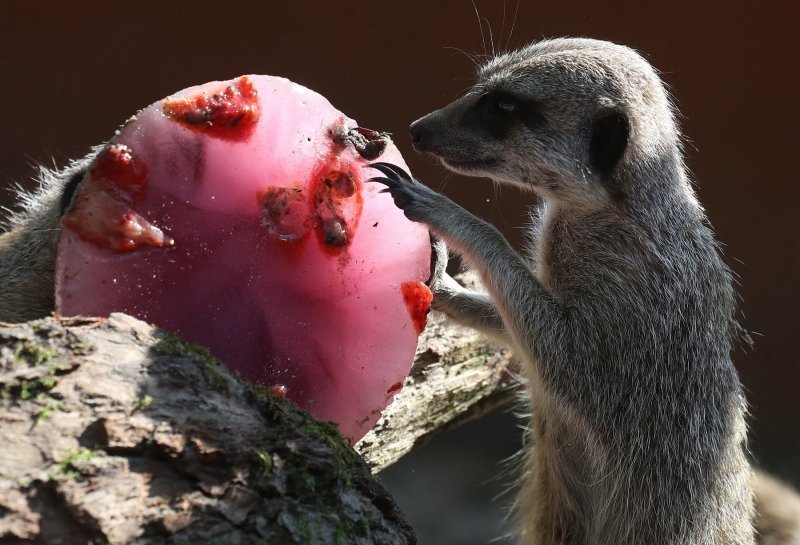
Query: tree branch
x: 457, y: 375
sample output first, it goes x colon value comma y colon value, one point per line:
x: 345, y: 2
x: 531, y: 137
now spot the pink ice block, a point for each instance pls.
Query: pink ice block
x: 235, y: 214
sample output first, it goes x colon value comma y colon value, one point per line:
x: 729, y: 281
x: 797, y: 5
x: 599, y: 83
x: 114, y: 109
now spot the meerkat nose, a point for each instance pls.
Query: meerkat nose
x: 419, y: 135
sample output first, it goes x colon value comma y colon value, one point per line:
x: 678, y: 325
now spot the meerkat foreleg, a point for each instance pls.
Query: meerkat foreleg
x: 522, y: 304
x: 467, y: 307
x: 470, y: 308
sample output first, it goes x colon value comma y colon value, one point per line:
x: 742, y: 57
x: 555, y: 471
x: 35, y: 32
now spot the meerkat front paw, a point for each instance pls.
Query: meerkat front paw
x: 417, y: 201
x: 442, y: 285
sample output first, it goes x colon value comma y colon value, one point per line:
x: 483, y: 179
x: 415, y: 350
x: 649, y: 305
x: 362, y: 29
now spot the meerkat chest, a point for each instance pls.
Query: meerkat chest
x: 549, y: 252
x: 567, y: 250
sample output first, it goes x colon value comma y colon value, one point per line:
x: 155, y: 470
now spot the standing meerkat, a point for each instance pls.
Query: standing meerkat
x: 623, y: 318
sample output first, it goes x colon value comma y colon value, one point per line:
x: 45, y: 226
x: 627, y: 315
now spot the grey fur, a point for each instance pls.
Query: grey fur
x: 28, y: 248
x: 624, y: 313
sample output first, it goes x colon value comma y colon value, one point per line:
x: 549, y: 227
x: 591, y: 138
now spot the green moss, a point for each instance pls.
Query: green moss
x: 316, y: 477
x: 35, y: 388
x: 306, y: 533
x: 268, y: 400
x: 33, y: 354
x: 51, y: 406
x: 24, y: 391
x: 344, y: 457
x: 302, y: 483
x: 142, y: 403
x: 170, y: 344
x: 340, y: 536
x: 349, y: 528
x: 361, y: 527
x: 215, y: 377
x: 68, y: 467
x: 308, y: 476
x: 265, y: 461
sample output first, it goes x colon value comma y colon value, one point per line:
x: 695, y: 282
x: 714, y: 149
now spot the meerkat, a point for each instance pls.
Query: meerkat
x: 623, y: 317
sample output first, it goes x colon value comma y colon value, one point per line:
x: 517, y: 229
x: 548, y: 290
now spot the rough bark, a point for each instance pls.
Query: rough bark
x: 114, y: 432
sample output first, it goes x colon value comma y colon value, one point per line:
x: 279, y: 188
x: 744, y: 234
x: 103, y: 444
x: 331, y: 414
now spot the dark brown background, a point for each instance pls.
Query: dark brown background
x: 72, y: 71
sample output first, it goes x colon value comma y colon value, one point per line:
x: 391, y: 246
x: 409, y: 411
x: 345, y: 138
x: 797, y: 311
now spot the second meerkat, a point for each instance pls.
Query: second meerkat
x: 623, y: 316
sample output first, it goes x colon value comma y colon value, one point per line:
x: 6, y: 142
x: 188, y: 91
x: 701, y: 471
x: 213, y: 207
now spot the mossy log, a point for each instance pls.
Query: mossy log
x: 113, y: 431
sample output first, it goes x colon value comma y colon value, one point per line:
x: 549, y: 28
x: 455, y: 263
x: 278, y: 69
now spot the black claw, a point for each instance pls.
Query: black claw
x: 391, y: 182
x: 392, y: 171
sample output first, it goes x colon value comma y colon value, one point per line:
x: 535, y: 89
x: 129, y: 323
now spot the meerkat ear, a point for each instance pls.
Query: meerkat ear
x: 610, y: 131
x: 69, y: 189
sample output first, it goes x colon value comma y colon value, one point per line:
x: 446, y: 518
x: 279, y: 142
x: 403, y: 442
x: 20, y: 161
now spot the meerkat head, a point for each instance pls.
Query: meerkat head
x: 566, y: 118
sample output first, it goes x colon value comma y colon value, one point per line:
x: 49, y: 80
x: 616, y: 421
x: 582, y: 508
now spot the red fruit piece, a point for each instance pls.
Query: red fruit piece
x: 394, y: 388
x: 336, y: 201
x: 417, y: 297
x: 102, y: 212
x: 278, y: 390
x: 120, y: 173
x: 230, y: 113
x: 286, y: 215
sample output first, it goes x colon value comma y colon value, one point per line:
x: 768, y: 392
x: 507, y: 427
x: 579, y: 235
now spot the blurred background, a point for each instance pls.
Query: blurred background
x: 71, y: 72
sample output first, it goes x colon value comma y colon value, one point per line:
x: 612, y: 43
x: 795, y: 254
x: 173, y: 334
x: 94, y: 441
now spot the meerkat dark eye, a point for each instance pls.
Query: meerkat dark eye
x: 502, y: 105
x: 499, y: 111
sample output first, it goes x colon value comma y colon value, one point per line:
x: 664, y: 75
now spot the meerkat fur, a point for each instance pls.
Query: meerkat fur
x: 28, y: 245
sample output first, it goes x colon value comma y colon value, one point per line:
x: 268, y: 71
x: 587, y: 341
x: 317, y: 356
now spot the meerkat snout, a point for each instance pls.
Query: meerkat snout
x: 431, y: 133
x: 419, y: 134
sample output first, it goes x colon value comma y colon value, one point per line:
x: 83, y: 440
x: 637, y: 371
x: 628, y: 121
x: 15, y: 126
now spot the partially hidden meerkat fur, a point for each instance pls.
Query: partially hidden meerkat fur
x: 623, y: 315
x: 28, y: 245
